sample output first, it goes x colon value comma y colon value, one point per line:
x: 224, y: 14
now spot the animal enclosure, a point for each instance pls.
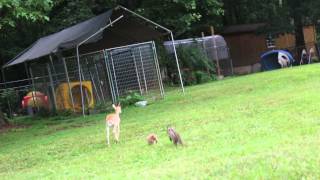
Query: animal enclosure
x: 106, y: 76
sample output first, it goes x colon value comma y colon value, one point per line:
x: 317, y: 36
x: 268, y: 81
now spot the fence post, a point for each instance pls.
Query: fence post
x: 137, y: 72
x: 158, y: 69
x: 177, y: 61
x: 215, y: 51
x: 68, y: 81
x: 144, y: 75
x: 99, y: 80
x: 80, y: 80
x: 114, y: 73
x: 52, y: 87
x: 34, y: 89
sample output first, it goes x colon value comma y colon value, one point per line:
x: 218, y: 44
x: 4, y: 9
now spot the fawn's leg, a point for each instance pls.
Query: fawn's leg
x: 108, y: 134
x: 115, y: 129
x: 118, y: 132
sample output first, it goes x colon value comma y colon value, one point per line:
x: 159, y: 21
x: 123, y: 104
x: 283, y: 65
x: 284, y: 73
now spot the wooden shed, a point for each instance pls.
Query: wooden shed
x: 246, y: 45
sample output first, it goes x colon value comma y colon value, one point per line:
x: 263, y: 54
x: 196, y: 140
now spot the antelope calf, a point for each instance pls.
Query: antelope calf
x: 113, y: 120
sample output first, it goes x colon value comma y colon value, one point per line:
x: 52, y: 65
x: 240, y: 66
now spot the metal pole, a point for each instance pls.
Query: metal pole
x: 99, y: 80
x: 100, y: 30
x: 53, y: 68
x: 177, y: 61
x: 231, y: 63
x: 93, y: 82
x: 78, y: 59
x: 79, y: 73
x: 144, y: 75
x: 109, y: 76
x: 30, y: 82
x: 85, y: 92
x: 34, y: 89
x: 158, y: 69
x: 148, y: 20
x: 205, y: 51
x: 68, y: 81
x: 137, y: 73
x: 114, y: 73
x: 215, y: 51
x: 52, y: 87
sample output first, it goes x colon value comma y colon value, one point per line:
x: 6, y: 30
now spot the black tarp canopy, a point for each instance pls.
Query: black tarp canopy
x: 71, y: 37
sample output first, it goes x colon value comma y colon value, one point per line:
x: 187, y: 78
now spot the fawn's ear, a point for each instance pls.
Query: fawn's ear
x: 114, y: 107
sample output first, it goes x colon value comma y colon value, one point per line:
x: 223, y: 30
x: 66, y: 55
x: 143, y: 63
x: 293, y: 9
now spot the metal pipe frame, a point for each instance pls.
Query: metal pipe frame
x: 129, y: 46
x: 171, y: 35
x: 78, y: 58
x: 85, y: 92
x: 112, y: 91
x: 177, y: 61
x: 93, y: 81
x: 137, y: 72
x: 144, y: 75
x: 68, y: 81
x: 158, y: 69
x: 33, y: 89
x: 52, y: 87
x: 99, y: 80
x: 84, y: 54
x: 80, y: 81
x: 115, y: 77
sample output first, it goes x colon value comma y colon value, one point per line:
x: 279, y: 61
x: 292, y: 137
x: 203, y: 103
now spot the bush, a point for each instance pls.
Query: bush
x: 202, y: 77
x: 131, y: 99
x: 8, y: 96
x: 103, y: 108
x: 195, y: 65
x: 194, y: 58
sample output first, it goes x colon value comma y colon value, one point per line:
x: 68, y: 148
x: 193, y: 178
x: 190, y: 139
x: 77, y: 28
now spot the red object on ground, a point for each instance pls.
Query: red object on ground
x: 35, y: 99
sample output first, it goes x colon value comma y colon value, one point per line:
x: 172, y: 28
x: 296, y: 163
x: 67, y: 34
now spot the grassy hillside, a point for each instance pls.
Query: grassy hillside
x: 265, y: 125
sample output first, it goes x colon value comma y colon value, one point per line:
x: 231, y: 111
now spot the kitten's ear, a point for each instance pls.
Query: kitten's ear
x: 114, y: 107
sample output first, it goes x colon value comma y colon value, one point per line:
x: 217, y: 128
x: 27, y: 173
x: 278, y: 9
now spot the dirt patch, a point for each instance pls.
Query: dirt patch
x: 11, y: 127
x: 56, y: 128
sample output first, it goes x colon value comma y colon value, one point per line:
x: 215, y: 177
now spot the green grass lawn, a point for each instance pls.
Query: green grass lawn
x: 262, y: 126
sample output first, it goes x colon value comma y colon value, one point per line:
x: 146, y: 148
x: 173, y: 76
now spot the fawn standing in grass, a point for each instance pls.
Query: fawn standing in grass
x: 113, y: 120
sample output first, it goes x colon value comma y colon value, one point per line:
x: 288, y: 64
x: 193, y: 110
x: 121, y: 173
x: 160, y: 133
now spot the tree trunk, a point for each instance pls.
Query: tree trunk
x: 299, y: 35
x: 3, y: 120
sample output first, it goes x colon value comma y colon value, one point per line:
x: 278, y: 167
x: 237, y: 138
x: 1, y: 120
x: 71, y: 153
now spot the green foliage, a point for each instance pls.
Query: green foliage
x: 290, y: 16
x: 195, y: 64
x: 182, y: 16
x: 8, y: 96
x: 103, y: 107
x: 203, y: 77
x: 194, y: 58
x: 28, y: 10
x: 131, y: 98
